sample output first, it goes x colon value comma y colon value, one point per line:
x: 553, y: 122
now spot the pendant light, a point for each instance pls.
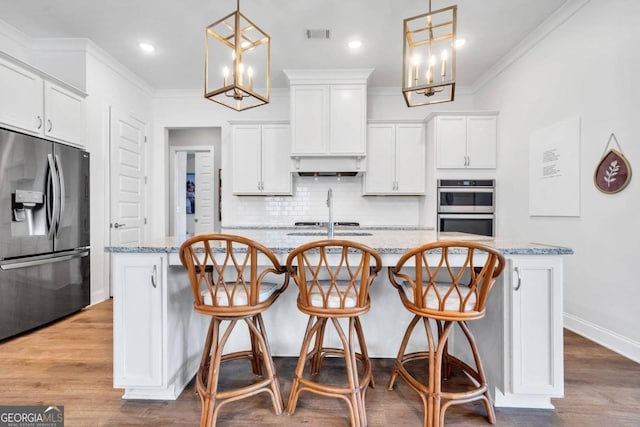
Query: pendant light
x: 429, y: 57
x: 237, y: 62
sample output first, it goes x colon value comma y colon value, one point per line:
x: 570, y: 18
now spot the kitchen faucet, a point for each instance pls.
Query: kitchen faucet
x: 330, y: 206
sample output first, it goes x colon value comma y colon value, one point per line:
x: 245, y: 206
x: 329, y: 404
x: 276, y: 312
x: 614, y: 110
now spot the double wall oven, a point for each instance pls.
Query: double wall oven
x: 466, y: 205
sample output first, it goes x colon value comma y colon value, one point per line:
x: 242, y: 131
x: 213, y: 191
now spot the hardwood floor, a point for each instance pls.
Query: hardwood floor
x: 70, y: 363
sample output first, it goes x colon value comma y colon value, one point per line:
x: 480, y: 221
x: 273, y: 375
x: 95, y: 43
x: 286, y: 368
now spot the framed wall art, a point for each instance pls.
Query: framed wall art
x: 613, y: 172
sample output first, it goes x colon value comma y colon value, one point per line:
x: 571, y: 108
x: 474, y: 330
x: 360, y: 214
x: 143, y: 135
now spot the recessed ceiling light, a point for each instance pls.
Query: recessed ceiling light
x: 146, y: 47
x: 355, y: 44
x: 459, y: 43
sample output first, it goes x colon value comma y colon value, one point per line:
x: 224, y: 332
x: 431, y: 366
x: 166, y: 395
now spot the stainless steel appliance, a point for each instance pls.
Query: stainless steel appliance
x: 466, y: 205
x: 44, y: 231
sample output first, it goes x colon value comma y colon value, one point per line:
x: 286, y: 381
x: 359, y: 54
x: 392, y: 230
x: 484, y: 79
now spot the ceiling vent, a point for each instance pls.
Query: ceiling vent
x: 318, y: 33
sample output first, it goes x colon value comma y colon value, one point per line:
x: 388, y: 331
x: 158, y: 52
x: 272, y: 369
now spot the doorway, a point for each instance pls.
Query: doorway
x: 193, y: 181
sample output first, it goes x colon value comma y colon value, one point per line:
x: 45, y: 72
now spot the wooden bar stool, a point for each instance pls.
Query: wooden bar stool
x: 229, y: 286
x: 333, y: 278
x: 447, y: 282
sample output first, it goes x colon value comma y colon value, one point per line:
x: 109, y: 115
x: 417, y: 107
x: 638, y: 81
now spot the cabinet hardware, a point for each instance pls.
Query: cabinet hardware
x: 50, y: 125
x: 153, y: 276
x: 519, y: 279
x: 39, y: 122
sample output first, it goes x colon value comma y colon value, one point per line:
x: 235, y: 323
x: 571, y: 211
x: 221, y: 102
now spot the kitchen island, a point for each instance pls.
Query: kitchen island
x: 158, y: 337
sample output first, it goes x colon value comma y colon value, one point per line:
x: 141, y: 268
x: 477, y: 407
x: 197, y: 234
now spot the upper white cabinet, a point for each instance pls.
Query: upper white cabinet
x: 36, y: 104
x: 328, y: 112
x: 465, y: 141
x: 261, y: 163
x: 395, y: 159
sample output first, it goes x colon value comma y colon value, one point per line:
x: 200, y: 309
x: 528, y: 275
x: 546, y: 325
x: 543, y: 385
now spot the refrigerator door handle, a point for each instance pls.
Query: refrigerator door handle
x: 62, y: 194
x: 47, y: 259
x: 53, y: 200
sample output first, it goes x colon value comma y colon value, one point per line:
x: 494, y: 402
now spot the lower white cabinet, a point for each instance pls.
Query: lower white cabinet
x: 261, y: 162
x: 33, y: 103
x: 395, y: 159
x: 536, y: 338
x: 138, y: 281
x: 157, y: 336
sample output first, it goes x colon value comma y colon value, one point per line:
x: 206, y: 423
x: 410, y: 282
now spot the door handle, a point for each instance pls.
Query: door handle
x: 116, y: 225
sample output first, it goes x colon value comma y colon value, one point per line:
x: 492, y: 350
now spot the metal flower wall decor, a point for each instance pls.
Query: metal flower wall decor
x: 613, y: 172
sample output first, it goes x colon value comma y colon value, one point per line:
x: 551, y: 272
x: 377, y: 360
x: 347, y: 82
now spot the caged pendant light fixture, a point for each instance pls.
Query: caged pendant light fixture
x: 429, y: 57
x: 237, y: 62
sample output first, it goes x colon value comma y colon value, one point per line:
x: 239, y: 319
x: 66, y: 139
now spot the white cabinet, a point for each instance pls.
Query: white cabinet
x: 536, y: 330
x: 261, y: 163
x: 328, y: 112
x: 395, y: 159
x: 35, y: 104
x: 465, y: 141
x: 138, y: 280
x: 157, y: 335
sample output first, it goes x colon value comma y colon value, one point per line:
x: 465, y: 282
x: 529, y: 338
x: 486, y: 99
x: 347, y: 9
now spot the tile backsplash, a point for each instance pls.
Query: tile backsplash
x: 309, y: 203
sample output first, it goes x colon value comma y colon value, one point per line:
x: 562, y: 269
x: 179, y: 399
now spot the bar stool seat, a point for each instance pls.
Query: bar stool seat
x: 333, y: 278
x: 229, y: 286
x: 444, y: 293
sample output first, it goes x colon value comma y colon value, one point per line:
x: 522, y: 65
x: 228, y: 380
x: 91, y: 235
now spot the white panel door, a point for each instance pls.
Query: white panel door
x: 204, y: 192
x: 127, y: 179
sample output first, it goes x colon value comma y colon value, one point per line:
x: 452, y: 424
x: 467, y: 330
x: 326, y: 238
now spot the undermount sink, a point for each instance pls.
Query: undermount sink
x: 324, y: 233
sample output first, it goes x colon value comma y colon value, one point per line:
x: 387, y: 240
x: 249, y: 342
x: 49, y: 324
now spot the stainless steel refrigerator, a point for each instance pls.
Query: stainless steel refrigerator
x: 44, y: 231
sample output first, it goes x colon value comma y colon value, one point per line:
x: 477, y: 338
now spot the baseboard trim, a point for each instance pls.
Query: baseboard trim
x: 609, y: 339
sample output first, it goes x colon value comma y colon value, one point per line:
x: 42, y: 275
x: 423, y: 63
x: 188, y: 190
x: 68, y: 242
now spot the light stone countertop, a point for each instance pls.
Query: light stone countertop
x: 392, y: 240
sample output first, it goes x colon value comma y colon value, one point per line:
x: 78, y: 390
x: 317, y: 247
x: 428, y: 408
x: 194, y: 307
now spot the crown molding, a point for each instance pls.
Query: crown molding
x: 197, y: 93
x: 559, y: 17
x: 16, y: 36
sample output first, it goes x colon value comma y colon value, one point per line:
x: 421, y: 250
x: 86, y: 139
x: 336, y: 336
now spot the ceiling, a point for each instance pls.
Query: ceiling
x: 176, y: 28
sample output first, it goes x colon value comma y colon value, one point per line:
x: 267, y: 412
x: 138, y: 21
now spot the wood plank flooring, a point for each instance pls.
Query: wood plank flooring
x: 70, y: 363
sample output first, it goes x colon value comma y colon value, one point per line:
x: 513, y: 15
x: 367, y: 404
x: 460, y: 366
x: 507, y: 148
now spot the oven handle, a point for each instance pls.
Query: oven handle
x: 466, y: 216
x: 465, y: 190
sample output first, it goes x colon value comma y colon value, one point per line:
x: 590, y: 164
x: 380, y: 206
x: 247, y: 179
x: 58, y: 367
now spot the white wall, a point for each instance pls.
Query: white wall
x: 587, y: 67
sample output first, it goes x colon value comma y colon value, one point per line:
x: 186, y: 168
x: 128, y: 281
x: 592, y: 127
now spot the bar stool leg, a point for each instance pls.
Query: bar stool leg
x: 313, y: 326
x: 403, y: 346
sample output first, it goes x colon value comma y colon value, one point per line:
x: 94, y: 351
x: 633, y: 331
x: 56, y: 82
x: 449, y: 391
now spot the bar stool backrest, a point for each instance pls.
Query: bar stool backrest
x: 334, y: 276
x: 447, y: 280
x: 228, y: 272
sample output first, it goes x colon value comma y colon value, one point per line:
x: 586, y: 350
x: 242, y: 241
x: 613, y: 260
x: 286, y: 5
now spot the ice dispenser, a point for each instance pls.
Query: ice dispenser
x: 25, y: 202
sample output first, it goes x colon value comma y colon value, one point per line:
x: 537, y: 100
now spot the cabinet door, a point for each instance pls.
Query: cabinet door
x: 64, y: 114
x: 536, y: 330
x: 451, y: 141
x: 246, y: 159
x: 481, y: 142
x: 276, y: 163
x: 138, y: 281
x: 380, y: 175
x: 410, y: 159
x: 309, y: 119
x: 21, y: 92
x: 348, y: 119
